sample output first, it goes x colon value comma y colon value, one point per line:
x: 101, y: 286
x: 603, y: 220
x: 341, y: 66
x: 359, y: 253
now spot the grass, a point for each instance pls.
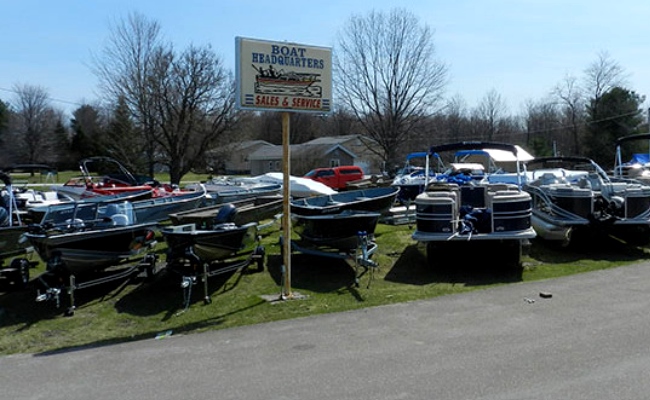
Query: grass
x: 140, y: 309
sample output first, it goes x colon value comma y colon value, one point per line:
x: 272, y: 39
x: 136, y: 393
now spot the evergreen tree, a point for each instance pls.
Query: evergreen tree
x: 615, y: 114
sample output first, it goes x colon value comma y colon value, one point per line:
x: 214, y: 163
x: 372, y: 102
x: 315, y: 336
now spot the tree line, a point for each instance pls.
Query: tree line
x: 162, y: 107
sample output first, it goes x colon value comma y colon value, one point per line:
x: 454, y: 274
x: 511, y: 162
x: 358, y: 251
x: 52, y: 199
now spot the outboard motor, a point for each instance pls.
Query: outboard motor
x: 226, y: 214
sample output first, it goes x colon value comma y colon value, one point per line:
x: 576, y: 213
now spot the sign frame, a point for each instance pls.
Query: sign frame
x: 283, y: 76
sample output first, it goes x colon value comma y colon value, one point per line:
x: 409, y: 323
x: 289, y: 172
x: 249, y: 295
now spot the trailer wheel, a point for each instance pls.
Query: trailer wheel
x: 259, y: 254
x: 150, y: 266
x: 21, y: 272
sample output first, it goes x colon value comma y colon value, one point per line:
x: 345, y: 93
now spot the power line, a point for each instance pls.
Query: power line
x: 584, y: 123
x: 49, y: 97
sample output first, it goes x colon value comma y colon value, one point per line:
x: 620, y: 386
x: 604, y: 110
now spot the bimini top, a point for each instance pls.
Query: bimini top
x: 498, y: 151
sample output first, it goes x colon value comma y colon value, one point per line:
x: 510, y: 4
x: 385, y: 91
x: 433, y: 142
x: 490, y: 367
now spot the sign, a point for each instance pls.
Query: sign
x: 283, y: 76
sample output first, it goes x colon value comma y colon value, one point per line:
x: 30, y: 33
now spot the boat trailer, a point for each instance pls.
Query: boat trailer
x: 194, y: 270
x: 360, y: 255
x: 16, y: 273
x: 53, y: 282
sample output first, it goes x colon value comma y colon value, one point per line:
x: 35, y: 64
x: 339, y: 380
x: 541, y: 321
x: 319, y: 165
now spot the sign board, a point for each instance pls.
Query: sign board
x: 283, y: 76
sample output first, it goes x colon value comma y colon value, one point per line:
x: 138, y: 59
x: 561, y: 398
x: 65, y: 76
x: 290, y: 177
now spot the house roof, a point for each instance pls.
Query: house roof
x: 337, y: 139
x: 240, y: 146
x: 275, y: 152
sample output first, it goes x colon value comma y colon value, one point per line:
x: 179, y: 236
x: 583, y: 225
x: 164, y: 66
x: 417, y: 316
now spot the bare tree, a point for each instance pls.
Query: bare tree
x: 194, y: 104
x: 543, y: 126
x: 570, y: 99
x: 124, y: 68
x: 34, y: 123
x: 489, y: 115
x: 182, y: 102
x: 601, y: 76
x: 387, y: 75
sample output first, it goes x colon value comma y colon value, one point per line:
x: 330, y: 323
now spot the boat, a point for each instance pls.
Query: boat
x: 35, y: 211
x: 158, y: 209
x: 638, y: 166
x: 222, y: 190
x: 255, y: 209
x: 462, y: 205
x: 573, y: 194
x: 340, y: 231
x: 153, y: 209
x: 199, y: 253
x: 346, y: 235
x: 379, y: 199
x: 411, y: 179
x: 102, y: 176
x: 271, y: 81
x: 299, y: 187
x: 78, y: 242
x: 13, y: 250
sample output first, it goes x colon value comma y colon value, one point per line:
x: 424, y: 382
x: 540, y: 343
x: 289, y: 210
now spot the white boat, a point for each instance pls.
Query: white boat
x: 221, y: 190
x: 462, y: 205
x: 573, y: 195
x: 412, y: 178
x: 298, y: 186
x: 638, y: 165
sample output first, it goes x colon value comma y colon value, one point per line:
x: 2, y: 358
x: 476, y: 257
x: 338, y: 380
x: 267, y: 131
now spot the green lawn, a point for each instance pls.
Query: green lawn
x: 140, y: 309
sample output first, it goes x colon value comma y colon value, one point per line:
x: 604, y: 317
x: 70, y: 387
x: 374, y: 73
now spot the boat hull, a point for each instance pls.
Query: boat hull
x: 209, y: 245
x: 92, y: 250
x: 379, y: 199
x: 158, y: 209
x: 245, y: 211
x: 340, y: 231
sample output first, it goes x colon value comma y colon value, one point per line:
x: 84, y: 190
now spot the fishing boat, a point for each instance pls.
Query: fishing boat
x: 462, y: 205
x: 78, y: 242
x: 339, y: 231
x: 222, y: 190
x: 379, y: 199
x: 573, y: 195
x: 158, y: 209
x: 198, y: 254
x: 101, y: 176
x: 347, y: 235
x: 256, y: 209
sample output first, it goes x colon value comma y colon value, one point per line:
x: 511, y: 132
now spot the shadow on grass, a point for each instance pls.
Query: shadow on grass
x: 586, y: 246
x: 474, y: 264
x: 165, y: 293
x: 21, y: 308
x: 175, y: 330
x: 314, y: 273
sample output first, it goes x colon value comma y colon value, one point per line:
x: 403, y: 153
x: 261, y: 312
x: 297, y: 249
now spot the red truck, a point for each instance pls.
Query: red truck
x: 336, y: 177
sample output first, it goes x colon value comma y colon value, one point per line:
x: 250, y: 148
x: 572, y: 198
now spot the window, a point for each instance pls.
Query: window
x: 335, y: 162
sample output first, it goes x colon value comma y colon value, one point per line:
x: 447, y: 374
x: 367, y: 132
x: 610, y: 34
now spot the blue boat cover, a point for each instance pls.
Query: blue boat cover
x: 639, y: 158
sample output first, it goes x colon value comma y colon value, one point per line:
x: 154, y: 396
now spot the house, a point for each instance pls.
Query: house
x: 233, y: 159
x: 322, y: 152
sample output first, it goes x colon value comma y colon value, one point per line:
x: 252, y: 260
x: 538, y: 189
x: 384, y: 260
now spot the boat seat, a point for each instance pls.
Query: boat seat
x: 120, y: 219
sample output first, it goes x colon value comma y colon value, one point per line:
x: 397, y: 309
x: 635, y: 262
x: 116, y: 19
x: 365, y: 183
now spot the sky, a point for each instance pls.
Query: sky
x: 520, y: 49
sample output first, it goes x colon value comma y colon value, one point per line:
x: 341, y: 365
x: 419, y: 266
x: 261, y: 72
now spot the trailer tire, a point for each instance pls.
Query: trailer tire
x: 20, y: 274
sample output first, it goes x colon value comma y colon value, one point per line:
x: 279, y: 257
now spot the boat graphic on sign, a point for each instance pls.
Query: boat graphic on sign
x: 272, y: 81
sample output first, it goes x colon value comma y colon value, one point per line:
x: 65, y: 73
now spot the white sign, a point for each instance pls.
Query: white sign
x: 283, y: 76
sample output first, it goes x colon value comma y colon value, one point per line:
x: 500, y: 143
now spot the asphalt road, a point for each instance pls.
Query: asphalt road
x: 590, y: 340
